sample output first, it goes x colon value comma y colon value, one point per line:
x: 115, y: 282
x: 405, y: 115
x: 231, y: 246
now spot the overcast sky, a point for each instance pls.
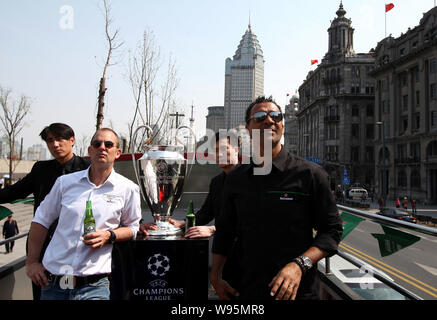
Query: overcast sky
x: 58, y: 62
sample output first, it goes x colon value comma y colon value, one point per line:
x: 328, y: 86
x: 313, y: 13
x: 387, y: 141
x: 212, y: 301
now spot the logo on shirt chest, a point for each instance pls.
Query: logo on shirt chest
x: 286, y: 197
x: 112, y: 198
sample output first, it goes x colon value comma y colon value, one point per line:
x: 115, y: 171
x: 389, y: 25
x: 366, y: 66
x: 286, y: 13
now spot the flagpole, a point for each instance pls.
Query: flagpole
x: 385, y: 21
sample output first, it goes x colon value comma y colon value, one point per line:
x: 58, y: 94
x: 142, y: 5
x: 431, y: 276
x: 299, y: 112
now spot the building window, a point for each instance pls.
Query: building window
x: 415, y: 150
x: 433, y: 119
x: 383, y: 107
x: 416, y: 121
x: 370, y: 154
x: 402, y: 51
x: 404, y: 78
x: 331, y: 153
x: 384, y: 85
x: 355, y: 111
x: 402, y: 178
x: 370, y: 110
x: 355, y: 131
x: 355, y: 154
x: 370, y: 131
x: 432, y: 66
x: 432, y: 91
x: 415, y: 179
x: 405, y: 103
x: 402, y: 151
x: 417, y: 98
x: 404, y: 124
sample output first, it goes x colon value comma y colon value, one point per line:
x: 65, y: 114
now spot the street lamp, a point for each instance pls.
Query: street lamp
x: 384, y: 180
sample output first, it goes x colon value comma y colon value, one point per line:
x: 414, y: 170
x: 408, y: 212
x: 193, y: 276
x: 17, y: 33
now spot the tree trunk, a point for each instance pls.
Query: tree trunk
x: 101, y: 104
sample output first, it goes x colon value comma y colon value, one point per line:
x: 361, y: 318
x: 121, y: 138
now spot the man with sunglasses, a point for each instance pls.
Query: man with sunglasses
x: 60, y: 140
x: 76, y: 266
x: 274, y: 214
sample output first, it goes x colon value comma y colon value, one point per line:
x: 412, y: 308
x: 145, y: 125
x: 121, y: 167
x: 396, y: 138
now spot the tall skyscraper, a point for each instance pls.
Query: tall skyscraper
x: 244, y: 79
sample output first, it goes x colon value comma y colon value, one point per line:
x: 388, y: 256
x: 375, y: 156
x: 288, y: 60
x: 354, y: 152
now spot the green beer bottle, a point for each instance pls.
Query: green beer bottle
x: 89, y: 223
x: 190, y: 218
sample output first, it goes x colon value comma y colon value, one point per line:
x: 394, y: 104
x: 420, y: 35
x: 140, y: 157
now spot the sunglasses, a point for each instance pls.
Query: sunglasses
x: 262, y: 115
x: 97, y: 143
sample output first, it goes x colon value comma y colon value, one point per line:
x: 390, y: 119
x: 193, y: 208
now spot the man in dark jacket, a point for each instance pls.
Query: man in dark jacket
x: 60, y: 140
x: 10, y: 229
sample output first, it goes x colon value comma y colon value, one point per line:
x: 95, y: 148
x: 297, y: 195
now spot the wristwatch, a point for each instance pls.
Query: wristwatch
x: 307, y: 263
x: 112, y: 237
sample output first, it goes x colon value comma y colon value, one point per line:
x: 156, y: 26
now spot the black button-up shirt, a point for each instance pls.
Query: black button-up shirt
x: 211, y: 207
x: 273, y: 217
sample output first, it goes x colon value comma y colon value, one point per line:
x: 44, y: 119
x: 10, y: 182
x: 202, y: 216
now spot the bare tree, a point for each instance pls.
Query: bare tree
x: 153, y: 103
x: 113, y: 45
x: 81, y: 145
x: 12, y: 119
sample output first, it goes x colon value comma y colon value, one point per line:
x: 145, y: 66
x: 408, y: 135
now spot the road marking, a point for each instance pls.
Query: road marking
x: 390, y: 267
x: 393, y: 270
x: 431, y: 270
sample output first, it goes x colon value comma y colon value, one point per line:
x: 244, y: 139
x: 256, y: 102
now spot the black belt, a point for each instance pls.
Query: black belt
x: 76, y: 281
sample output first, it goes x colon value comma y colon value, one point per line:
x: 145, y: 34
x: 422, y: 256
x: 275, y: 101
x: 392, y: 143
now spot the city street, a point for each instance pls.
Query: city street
x: 402, y: 254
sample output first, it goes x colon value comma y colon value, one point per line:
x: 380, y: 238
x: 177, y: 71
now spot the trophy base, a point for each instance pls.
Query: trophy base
x: 168, y: 230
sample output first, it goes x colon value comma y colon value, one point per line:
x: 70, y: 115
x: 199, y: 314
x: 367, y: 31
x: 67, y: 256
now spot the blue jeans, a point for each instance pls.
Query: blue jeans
x: 93, y: 291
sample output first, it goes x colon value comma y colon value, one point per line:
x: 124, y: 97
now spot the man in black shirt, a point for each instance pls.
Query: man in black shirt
x: 226, y: 158
x: 60, y: 140
x: 273, y: 215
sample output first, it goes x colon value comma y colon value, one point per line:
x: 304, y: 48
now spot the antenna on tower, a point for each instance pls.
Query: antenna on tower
x: 192, y: 116
x: 249, y: 19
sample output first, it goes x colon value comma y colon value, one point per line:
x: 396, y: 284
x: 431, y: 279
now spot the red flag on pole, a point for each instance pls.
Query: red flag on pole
x: 389, y: 6
x: 314, y: 61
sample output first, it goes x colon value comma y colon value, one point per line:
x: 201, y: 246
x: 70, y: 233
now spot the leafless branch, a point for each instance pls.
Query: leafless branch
x: 12, y: 119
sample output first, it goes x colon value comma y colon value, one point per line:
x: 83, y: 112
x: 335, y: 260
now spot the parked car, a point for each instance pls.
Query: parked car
x: 357, y: 193
x: 397, y: 214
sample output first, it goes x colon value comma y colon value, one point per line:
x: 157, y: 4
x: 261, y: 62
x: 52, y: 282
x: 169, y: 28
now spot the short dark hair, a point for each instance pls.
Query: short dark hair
x: 260, y: 99
x: 59, y: 130
x: 117, y: 143
x: 231, y: 135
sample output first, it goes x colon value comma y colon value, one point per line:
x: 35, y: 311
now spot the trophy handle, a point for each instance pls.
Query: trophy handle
x: 188, y: 171
x: 132, y: 147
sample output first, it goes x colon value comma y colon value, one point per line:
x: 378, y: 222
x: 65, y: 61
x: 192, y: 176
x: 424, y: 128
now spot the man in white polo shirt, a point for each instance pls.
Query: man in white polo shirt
x: 76, y: 266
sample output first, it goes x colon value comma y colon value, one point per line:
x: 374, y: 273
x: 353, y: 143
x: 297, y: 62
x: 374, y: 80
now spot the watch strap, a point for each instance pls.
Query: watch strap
x: 300, y: 264
x: 112, y: 237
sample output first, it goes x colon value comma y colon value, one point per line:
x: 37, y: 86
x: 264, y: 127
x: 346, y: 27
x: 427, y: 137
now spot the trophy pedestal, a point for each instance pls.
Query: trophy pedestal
x: 160, y: 269
x: 166, y: 229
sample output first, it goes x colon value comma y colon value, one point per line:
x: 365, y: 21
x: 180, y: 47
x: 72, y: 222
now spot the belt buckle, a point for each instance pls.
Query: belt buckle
x: 67, y: 281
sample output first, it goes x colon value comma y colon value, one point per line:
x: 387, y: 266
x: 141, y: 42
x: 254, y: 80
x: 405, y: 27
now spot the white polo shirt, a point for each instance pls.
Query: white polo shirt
x: 115, y: 203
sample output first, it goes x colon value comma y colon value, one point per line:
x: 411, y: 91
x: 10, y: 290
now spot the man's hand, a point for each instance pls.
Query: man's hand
x: 36, y: 272
x: 287, y: 281
x: 200, y: 232
x: 147, y: 226
x: 177, y: 223
x: 222, y: 288
x: 96, y: 240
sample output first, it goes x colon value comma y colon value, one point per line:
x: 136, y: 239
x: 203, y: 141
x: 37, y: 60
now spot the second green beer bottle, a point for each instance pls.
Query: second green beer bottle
x: 190, y: 218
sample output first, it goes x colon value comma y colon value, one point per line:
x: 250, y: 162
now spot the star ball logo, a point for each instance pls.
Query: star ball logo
x: 158, y: 265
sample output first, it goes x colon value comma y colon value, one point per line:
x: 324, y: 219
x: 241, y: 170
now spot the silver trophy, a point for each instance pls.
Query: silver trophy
x: 161, y: 173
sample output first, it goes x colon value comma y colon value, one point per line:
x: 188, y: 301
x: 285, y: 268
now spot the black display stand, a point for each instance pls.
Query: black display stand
x: 160, y: 269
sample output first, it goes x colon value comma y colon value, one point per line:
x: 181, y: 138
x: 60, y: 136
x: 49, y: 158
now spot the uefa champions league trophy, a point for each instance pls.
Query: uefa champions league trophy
x: 161, y: 173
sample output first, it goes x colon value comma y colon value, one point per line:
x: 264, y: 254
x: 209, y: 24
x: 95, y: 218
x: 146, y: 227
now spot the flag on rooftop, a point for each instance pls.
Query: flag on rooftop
x: 389, y: 6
